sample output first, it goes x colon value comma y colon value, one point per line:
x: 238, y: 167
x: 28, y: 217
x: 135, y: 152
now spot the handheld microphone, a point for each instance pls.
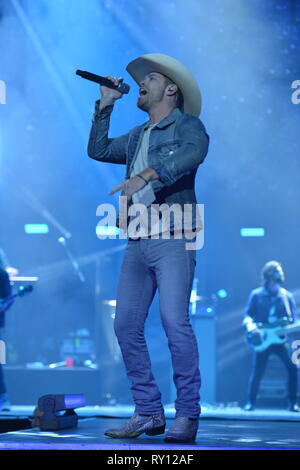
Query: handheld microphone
x: 122, y: 87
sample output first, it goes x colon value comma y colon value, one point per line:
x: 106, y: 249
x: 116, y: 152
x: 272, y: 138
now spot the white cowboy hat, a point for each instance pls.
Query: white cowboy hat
x: 173, y: 69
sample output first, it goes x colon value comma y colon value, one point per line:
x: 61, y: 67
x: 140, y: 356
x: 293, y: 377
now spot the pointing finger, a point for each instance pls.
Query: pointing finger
x: 117, y: 188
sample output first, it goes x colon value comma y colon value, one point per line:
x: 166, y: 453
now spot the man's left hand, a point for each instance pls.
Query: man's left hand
x: 129, y: 186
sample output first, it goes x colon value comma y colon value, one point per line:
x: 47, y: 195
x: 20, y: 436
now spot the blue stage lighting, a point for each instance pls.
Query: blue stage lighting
x: 222, y: 293
x: 252, y: 232
x: 106, y: 230
x: 36, y: 228
x: 2, y: 92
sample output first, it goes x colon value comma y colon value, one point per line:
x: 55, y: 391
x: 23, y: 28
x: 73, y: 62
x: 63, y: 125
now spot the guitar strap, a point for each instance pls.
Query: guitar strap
x: 286, y: 303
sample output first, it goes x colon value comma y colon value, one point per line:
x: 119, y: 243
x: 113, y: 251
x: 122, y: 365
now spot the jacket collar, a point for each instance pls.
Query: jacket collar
x: 265, y: 291
x: 174, y: 114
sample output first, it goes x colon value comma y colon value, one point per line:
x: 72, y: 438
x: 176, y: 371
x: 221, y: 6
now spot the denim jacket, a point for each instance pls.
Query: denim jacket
x: 177, y: 146
x: 260, y: 302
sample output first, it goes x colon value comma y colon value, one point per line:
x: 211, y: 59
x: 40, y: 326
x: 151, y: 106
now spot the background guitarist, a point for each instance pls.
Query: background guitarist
x: 5, y: 291
x: 270, y: 304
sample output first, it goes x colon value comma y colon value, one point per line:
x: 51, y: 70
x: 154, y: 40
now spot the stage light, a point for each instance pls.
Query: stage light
x: 107, y: 230
x: 24, y: 278
x: 252, y: 232
x: 222, y: 293
x: 36, y: 228
x: 111, y: 303
x: 2, y: 92
x: 51, y: 406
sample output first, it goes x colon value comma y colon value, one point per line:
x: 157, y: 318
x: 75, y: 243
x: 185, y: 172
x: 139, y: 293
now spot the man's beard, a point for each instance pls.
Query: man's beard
x: 279, y: 278
x: 143, y: 105
x: 147, y: 104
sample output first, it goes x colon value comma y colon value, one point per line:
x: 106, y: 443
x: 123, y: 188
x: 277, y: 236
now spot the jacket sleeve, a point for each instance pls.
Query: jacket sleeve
x: 102, y: 148
x: 5, y: 291
x: 293, y: 307
x: 191, y: 151
x: 250, y: 313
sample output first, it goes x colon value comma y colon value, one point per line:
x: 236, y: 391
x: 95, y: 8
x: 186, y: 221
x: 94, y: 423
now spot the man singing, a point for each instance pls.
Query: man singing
x: 269, y: 305
x: 161, y: 157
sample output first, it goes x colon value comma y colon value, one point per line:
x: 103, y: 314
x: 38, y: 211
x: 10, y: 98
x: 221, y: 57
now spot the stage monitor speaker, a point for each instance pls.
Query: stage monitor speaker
x: 51, y: 406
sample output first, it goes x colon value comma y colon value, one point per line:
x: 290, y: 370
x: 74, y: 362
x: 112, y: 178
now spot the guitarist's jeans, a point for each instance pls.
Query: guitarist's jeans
x: 259, y: 365
x: 149, y: 264
x: 2, y: 383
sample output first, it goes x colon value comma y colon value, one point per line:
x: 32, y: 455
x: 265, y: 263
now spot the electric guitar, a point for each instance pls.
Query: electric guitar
x: 271, y: 334
x: 21, y: 291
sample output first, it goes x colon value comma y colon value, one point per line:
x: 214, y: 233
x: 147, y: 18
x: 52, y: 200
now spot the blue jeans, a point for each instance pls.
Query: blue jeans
x: 149, y: 264
x: 2, y: 383
x: 259, y: 364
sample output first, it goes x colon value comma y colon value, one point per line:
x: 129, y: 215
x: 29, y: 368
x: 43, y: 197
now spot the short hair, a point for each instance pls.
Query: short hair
x: 268, y: 270
x: 179, y: 95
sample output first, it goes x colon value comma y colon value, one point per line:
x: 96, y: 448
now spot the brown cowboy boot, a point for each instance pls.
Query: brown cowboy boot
x: 139, y: 424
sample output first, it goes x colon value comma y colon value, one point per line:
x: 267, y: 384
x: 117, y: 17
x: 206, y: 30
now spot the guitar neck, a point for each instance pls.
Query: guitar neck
x: 289, y: 328
x: 22, y: 291
x: 9, y: 299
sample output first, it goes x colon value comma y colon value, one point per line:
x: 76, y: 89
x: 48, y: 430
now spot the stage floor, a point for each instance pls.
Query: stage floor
x: 218, y: 433
x: 208, y: 412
